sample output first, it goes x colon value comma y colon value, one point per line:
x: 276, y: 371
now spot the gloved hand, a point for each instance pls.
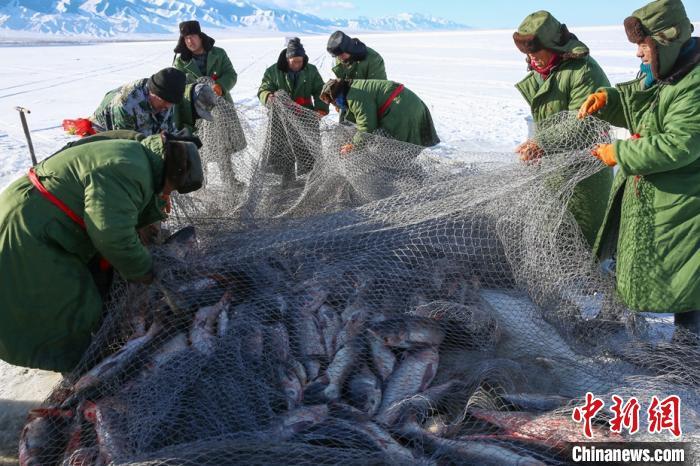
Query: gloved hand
x: 593, y: 104
x: 204, y: 98
x: 322, y: 113
x: 168, y: 203
x: 605, y: 153
x: 217, y: 88
x: 269, y: 100
x: 529, y: 151
x: 346, y: 148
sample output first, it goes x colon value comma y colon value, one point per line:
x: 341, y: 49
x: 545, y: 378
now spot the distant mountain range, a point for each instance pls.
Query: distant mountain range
x: 121, y: 18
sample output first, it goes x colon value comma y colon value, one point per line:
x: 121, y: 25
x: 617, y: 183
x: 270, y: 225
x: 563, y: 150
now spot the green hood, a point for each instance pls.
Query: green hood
x: 541, y: 30
x: 665, y: 27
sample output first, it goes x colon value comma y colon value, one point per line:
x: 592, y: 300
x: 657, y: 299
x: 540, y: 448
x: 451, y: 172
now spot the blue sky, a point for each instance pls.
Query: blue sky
x: 483, y: 13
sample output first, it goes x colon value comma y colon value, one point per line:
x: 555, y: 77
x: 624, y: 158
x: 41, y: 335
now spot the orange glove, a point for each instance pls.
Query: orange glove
x: 346, y: 148
x: 168, y: 203
x: 217, y: 89
x: 321, y: 113
x: 593, y: 104
x: 529, y: 151
x: 606, y: 153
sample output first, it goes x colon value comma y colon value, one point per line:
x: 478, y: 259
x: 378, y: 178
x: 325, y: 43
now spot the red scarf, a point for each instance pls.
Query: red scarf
x: 546, y: 69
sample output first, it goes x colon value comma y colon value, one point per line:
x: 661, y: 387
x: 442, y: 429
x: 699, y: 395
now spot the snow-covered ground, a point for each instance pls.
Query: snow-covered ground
x: 466, y: 78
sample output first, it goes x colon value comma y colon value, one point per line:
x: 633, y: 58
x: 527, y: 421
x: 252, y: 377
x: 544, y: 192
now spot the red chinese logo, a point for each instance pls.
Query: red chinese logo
x: 625, y: 415
x: 665, y: 415
x: 586, y: 413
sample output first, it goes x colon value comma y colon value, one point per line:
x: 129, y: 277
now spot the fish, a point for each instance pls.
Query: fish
x: 414, y: 374
x: 299, y: 370
x: 203, y: 331
x: 555, y: 431
x: 526, y: 335
x: 44, y: 436
x: 104, y: 415
x: 176, y: 344
x: 113, y: 365
x: 339, y: 369
x: 535, y: 401
x: 383, y: 359
x: 407, y: 332
x: 463, y: 451
x: 277, y: 340
x: 312, y: 367
x: 222, y: 325
x: 299, y: 419
x: 329, y: 324
x: 365, y: 391
x: 312, y: 295
x: 85, y: 456
x: 354, y: 318
x: 308, y: 336
x: 291, y: 386
x: 181, y: 243
x: 252, y: 340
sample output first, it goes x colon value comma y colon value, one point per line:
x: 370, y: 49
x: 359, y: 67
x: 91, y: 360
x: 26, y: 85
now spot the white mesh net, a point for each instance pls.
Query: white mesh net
x: 381, y: 307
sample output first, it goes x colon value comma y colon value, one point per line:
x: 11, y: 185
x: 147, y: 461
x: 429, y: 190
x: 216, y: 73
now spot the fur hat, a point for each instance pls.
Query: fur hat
x: 183, y: 166
x: 664, y: 26
x: 187, y: 28
x: 168, y: 84
x: 541, y: 30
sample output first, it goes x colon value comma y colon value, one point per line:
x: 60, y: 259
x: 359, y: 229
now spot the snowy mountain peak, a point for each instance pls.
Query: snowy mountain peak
x: 120, y: 18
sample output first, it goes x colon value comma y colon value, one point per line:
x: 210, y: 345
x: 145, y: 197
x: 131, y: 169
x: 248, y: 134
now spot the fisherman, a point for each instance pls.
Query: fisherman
x: 561, y: 75
x: 197, y: 57
x: 652, y: 224
x: 79, y: 207
x: 301, y: 80
x: 354, y: 60
x: 144, y: 105
x: 385, y: 105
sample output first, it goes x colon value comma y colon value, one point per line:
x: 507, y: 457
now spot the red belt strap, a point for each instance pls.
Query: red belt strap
x: 53, y: 199
x: 388, y: 102
x: 303, y: 101
x: 103, y: 264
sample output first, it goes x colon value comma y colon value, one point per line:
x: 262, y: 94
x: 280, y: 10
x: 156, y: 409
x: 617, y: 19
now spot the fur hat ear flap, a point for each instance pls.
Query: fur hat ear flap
x: 527, y: 43
x: 635, y: 30
x: 564, y: 35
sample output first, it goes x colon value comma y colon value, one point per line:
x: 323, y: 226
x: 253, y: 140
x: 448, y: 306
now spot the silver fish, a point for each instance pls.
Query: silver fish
x: 104, y: 414
x: 312, y: 295
x: 535, y: 401
x: 383, y: 358
x: 277, y: 338
x: 181, y: 243
x: 176, y: 344
x: 407, y: 332
x: 299, y: 370
x: 469, y: 452
x: 330, y: 325
x: 365, y: 391
x: 114, y: 364
x: 339, y: 369
x: 291, y: 386
x: 312, y: 367
x: 528, y: 336
x: 299, y: 419
x: 223, y: 323
x: 203, y: 331
x: 253, y: 341
x: 308, y: 336
x: 414, y: 375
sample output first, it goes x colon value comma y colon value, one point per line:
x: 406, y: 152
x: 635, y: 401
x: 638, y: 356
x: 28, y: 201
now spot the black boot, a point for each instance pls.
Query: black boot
x: 688, y: 321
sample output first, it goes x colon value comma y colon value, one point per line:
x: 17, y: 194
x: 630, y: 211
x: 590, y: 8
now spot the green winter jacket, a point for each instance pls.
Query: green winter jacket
x: 50, y: 304
x: 406, y: 119
x: 653, y: 217
x: 184, y: 114
x: 218, y: 64
x: 566, y: 88
x: 370, y: 67
x: 307, y: 87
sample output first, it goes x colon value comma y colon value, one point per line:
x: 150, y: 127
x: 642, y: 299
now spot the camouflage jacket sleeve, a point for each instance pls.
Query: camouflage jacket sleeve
x: 122, y: 119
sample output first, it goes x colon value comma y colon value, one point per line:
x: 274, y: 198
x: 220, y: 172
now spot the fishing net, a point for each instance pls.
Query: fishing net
x: 385, y: 306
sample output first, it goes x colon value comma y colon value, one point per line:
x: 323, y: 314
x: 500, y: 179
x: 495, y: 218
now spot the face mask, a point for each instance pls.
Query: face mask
x: 340, y: 102
x: 649, y: 79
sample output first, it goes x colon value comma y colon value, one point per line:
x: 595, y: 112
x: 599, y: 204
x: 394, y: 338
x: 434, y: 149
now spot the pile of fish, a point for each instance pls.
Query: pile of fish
x: 327, y: 359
